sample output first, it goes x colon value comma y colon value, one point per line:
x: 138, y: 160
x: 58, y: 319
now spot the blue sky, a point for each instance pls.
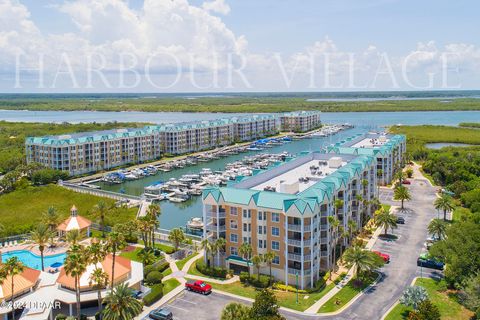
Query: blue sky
x: 258, y: 29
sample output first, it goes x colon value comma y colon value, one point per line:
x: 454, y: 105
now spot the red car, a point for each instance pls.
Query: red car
x: 198, y: 286
x: 384, y: 256
x: 406, y: 182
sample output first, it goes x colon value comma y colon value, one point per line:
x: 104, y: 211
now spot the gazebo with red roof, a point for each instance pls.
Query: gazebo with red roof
x: 75, y: 222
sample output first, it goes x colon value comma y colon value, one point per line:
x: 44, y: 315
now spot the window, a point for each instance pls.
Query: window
x: 264, y: 229
x: 275, y: 231
x: 233, y: 238
x: 275, y: 245
x: 260, y: 229
x: 233, y: 211
x: 260, y: 215
x: 260, y: 244
x: 275, y: 217
x: 233, y: 224
x: 245, y: 227
x: 276, y: 260
x: 247, y: 213
x: 233, y: 251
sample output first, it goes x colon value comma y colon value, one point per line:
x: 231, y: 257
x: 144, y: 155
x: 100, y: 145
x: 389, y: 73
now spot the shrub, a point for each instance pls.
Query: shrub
x: 260, y: 282
x: 244, y: 276
x: 162, y: 267
x: 154, y: 277
x: 409, y: 172
x: 154, y: 295
x: 46, y: 176
x: 215, y: 272
x: 147, y: 270
x: 61, y: 316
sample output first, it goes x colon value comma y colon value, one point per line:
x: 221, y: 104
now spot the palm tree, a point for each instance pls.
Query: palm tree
x: 176, y: 236
x: 208, y: 248
x: 12, y: 267
x: 120, y: 304
x: 437, y: 228
x: 220, y: 246
x: 334, y: 223
x: 147, y: 256
x: 379, y: 174
x: 257, y: 262
x: 445, y: 204
x: 101, y: 210
x: 73, y: 236
x: 235, y: 311
x: 338, y: 205
x: 41, y: 235
x: 143, y: 226
x: 401, y: 193
x: 361, y: 260
x: 98, y: 280
x: 96, y: 251
x: 343, y: 234
x: 245, y: 250
x: 385, y: 220
x: 268, y: 259
x: 352, y: 226
x: 51, y: 219
x: 115, y: 243
x: 153, y: 212
x: 75, y: 265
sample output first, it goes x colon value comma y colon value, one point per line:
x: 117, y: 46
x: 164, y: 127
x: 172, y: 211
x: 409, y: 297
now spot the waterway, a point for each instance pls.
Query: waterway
x: 440, y: 145
x: 371, y: 119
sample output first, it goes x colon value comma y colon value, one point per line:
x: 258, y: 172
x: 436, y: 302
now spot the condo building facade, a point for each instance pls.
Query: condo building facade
x: 300, y: 121
x: 86, y: 152
x: 286, y: 210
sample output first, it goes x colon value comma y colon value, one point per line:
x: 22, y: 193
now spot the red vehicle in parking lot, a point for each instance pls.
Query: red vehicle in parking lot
x: 384, y: 256
x: 406, y: 182
x: 198, y: 286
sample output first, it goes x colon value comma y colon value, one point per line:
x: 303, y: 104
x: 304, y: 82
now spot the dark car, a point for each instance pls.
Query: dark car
x: 430, y: 263
x: 161, y: 314
x: 400, y: 220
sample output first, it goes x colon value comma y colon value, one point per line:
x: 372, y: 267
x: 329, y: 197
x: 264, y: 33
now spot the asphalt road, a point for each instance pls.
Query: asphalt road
x: 396, y: 276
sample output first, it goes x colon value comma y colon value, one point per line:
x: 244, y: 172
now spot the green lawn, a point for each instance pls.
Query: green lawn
x: 346, y: 294
x: 446, y: 302
x: 169, y: 285
x: 285, y: 298
x: 132, y: 255
x: 167, y: 271
x: 182, y: 262
x: 22, y: 209
x: 164, y: 247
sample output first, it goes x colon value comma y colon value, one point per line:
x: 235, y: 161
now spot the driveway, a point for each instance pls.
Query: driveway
x: 396, y: 276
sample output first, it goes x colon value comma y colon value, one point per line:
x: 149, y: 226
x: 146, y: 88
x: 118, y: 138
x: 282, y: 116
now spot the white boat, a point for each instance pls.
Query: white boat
x: 195, y: 224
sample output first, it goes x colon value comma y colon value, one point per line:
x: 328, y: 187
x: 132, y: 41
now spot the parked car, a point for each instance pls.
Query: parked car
x: 161, y: 314
x: 406, y: 182
x: 400, y: 220
x: 198, y: 286
x: 430, y: 263
x: 384, y: 256
x: 137, y: 294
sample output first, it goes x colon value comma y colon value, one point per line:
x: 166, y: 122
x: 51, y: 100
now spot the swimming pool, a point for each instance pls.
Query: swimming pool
x: 32, y: 260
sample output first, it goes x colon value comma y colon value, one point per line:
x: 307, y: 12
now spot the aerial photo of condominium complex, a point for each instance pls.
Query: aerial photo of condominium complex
x: 285, y: 209
x: 80, y: 153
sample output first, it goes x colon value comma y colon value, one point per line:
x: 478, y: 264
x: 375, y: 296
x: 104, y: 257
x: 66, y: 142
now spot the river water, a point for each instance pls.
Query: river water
x: 177, y: 214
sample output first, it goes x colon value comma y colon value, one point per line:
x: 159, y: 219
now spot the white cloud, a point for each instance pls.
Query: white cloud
x: 217, y: 6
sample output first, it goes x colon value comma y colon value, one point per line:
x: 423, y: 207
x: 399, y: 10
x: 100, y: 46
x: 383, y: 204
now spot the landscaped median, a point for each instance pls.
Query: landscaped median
x: 444, y: 299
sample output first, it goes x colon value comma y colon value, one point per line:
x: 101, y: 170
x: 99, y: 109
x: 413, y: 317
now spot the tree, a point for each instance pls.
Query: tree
x: 207, y: 246
x: 257, y: 262
x: 147, y: 256
x: 115, y: 243
x: 236, y: 311
x: 334, y: 223
x: 98, y: 280
x: 41, y: 235
x: 120, y: 304
x: 385, y: 220
x: 268, y: 258
x: 51, y: 219
x: 426, y: 311
x: 437, y: 228
x: 444, y: 203
x: 470, y: 293
x: 413, y: 296
x: 96, y: 251
x: 402, y: 194
x: 12, y: 267
x: 143, y: 226
x: 101, y: 210
x: 75, y: 265
x: 176, y: 236
x: 265, y: 306
x: 220, y: 244
x: 361, y: 260
x: 153, y: 212
x: 73, y: 236
x: 245, y: 251
x: 338, y: 205
x: 352, y: 226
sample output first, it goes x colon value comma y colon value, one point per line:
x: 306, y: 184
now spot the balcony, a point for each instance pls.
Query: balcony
x: 212, y: 227
x: 298, y: 227
x: 298, y: 243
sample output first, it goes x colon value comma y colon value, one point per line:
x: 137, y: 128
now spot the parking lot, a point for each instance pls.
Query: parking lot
x: 385, y: 195
x: 189, y: 305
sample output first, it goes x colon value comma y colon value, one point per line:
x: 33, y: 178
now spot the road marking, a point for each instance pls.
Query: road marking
x: 175, y: 307
x: 194, y: 303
